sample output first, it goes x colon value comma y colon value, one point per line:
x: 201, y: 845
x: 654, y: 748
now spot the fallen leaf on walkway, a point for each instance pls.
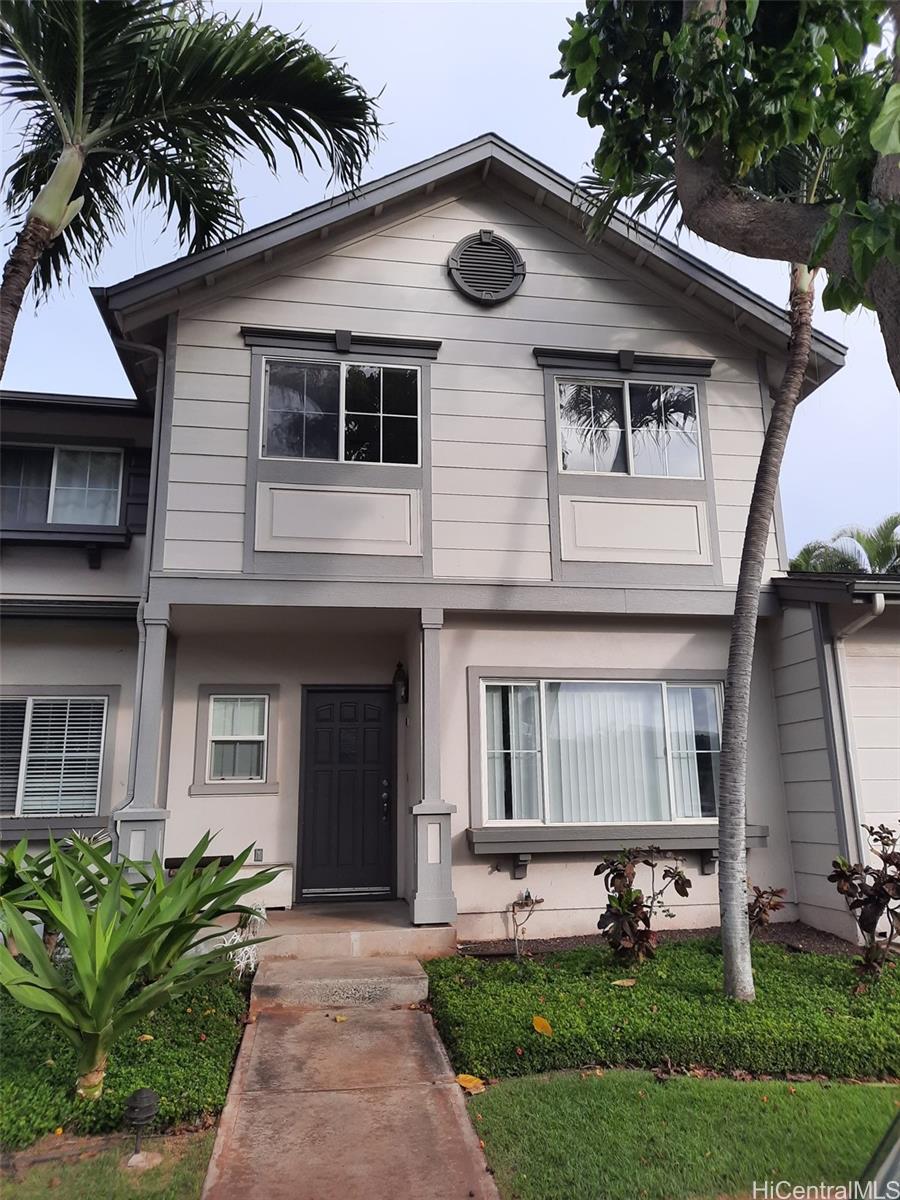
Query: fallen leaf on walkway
x: 624, y: 982
x: 339, y: 1018
x: 542, y: 1025
x: 470, y: 1084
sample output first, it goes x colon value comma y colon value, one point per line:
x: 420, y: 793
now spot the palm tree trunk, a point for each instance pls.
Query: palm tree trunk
x: 736, y: 716
x: 31, y: 243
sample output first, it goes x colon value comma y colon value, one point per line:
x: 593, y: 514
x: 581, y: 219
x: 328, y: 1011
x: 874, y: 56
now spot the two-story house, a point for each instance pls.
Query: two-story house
x: 429, y: 511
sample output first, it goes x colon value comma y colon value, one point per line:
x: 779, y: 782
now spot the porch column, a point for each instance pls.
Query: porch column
x: 141, y: 825
x: 433, y: 902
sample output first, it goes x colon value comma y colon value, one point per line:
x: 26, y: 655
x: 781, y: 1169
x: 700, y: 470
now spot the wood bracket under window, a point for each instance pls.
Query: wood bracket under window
x: 94, y: 555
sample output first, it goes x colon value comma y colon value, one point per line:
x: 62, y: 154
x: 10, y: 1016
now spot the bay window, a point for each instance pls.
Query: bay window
x: 597, y: 751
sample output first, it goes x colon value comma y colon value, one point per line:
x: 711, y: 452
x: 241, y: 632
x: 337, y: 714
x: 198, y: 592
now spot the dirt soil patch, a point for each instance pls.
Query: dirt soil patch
x: 793, y: 935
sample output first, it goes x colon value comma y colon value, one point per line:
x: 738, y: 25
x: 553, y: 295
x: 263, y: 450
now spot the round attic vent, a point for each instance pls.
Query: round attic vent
x: 486, y: 268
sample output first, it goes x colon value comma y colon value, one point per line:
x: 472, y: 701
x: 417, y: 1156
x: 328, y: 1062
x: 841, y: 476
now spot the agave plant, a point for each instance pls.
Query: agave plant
x: 129, y: 948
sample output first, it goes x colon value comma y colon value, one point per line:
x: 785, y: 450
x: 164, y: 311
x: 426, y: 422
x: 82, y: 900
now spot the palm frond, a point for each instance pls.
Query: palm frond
x: 164, y: 97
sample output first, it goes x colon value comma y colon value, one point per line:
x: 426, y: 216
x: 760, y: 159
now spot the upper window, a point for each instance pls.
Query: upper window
x: 51, y: 755
x: 629, y: 428
x: 561, y: 751
x: 238, y: 727
x: 341, y: 412
x: 60, y: 485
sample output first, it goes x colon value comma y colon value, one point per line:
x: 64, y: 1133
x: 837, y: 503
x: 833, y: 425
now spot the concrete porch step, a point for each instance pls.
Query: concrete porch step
x: 338, y: 982
x: 354, y: 930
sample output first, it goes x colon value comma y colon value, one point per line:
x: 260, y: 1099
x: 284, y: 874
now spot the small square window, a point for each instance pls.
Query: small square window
x: 238, y: 730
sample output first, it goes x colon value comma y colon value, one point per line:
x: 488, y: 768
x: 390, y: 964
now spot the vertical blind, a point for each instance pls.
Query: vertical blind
x: 61, y: 741
x: 608, y: 752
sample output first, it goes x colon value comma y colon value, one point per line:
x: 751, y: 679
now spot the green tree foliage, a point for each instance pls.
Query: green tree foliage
x: 875, y: 550
x: 730, y: 110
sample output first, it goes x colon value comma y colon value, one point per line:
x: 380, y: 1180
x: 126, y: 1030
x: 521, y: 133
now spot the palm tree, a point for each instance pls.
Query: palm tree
x: 154, y: 101
x: 873, y: 551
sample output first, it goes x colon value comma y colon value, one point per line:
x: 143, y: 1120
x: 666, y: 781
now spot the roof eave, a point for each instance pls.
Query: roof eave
x: 814, y: 588
x: 753, y: 316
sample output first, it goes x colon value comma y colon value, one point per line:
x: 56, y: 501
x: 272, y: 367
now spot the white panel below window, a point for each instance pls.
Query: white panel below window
x: 596, y: 529
x: 337, y: 520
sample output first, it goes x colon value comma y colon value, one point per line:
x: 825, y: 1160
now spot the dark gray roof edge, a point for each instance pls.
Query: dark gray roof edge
x: 182, y: 271
x: 14, y: 398
x: 815, y: 587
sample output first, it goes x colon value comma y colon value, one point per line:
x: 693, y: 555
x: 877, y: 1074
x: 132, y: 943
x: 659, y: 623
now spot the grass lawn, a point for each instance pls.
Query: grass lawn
x: 806, y: 1019
x: 627, y: 1137
x: 187, y: 1061
x: 100, y: 1177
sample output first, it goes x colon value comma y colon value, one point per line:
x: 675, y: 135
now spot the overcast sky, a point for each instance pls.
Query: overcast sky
x: 450, y: 71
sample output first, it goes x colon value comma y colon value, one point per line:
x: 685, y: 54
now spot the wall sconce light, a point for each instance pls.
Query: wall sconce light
x: 401, y: 684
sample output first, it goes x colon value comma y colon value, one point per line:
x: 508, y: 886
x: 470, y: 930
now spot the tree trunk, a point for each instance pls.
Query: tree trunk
x: 91, y: 1070
x: 31, y: 243
x: 733, y: 762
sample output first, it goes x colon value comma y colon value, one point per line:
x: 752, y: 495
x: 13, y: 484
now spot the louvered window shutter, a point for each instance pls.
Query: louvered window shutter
x: 63, y: 756
x: 12, y: 730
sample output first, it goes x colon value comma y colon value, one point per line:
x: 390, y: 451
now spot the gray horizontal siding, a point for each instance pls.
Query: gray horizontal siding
x: 489, y: 460
x: 806, y: 767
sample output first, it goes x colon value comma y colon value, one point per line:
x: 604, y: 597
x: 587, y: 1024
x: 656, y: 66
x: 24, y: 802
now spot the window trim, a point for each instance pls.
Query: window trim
x: 625, y: 381
x: 480, y: 677
x: 343, y: 363
x: 108, y: 698
x: 264, y: 737
x: 67, y: 527
x: 202, y: 785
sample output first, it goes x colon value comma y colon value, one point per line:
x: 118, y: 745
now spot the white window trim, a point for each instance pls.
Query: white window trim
x: 540, y: 683
x: 630, y: 473
x: 23, y: 754
x: 344, y: 365
x: 51, y: 498
x: 249, y: 737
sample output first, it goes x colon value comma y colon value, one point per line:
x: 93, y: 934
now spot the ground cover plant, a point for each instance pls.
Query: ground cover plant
x: 670, y: 1012
x: 132, y: 944
x: 624, y: 1135
x: 184, y: 1051
x: 99, y: 1175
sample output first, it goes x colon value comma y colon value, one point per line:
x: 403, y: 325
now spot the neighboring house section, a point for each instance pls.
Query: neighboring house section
x: 74, y: 486
x: 445, y: 518
x: 838, y: 694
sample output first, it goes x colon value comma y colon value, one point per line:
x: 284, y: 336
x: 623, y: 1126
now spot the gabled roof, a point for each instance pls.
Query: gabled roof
x: 754, y: 318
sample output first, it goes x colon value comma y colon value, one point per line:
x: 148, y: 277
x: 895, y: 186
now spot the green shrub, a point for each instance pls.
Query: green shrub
x: 188, y: 1063
x: 806, y: 1019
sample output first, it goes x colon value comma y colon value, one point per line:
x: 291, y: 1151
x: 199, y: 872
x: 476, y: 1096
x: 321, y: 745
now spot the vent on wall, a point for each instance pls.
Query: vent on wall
x: 486, y: 268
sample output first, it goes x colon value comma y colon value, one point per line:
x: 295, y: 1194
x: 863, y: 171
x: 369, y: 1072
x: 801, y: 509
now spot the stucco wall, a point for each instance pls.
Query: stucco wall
x: 289, y: 661
x: 58, y: 572
x: 81, y: 654
x: 572, y: 896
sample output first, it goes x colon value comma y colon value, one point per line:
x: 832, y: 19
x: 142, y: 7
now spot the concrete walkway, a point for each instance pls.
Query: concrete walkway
x: 364, y: 1108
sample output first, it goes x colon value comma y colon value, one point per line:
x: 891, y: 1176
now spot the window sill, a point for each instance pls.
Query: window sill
x: 564, y: 839
x: 244, y: 787
x: 94, y: 538
x: 14, y: 828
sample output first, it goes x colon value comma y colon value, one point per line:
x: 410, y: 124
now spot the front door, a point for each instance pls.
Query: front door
x: 347, y: 793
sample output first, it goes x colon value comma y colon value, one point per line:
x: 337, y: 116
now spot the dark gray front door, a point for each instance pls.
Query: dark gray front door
x: 346, y: 792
